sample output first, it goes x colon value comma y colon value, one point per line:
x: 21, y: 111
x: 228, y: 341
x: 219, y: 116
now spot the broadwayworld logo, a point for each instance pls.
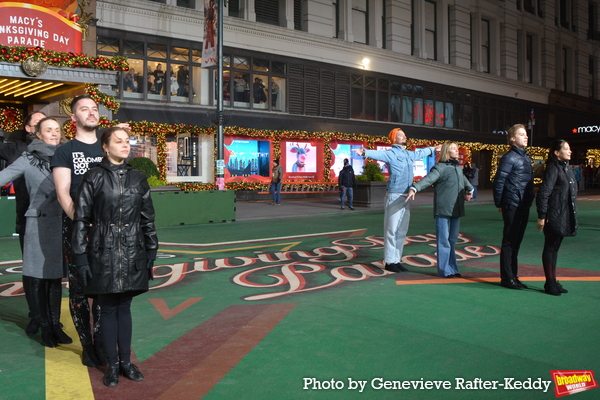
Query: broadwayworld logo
x: 570, y: 382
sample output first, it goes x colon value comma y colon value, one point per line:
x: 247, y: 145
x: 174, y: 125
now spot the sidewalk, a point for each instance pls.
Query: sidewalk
x: 256, y: 210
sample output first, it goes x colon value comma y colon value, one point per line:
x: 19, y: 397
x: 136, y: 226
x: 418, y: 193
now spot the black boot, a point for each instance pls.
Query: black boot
x: 551, y: 288
x: 111, y: 376
x: 39, y: 294
x: 88, y: 356
x: 561, y: 288
x: 34, y: 323
x: 100, y: 353
x: 55, y: 296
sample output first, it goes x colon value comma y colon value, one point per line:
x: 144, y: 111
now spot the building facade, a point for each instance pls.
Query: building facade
x: 441, y: 69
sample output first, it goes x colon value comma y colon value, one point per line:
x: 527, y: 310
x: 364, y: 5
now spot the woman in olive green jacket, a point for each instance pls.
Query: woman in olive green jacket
x: 451, y: 189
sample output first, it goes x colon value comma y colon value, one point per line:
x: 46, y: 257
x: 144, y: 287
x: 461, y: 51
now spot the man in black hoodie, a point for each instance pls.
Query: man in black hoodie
x: 347, y: 182
x: 9, y: 152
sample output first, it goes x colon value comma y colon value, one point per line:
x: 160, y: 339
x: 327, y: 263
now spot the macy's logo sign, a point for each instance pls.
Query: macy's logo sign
x: 587, y: 129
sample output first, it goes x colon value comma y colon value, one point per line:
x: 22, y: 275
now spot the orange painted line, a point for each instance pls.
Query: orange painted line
x: 479, y: 280
x: 166, y: 312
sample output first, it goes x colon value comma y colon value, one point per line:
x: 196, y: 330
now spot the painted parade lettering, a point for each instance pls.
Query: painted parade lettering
x: 299, y: 271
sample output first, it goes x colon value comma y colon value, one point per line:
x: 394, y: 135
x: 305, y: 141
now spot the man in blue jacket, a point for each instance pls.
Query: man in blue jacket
x: 513, y: 194
x: 396, y: 218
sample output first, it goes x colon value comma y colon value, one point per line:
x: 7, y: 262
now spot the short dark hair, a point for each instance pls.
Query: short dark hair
x: 30, y: 117
x: 79, y: 98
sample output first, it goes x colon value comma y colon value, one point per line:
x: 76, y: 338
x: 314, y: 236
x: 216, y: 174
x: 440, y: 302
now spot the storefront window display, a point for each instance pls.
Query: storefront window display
x: 190, y: 158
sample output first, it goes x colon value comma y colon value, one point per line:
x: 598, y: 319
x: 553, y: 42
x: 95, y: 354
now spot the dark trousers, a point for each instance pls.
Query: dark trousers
x: 116, y: 326
x: 515, y: 222
x: 78, y: 301
x: 550, y: 254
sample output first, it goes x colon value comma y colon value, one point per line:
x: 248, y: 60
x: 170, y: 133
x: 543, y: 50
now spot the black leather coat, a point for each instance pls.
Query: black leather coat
x: 513, y: 183
x: 115, y: 200
x: 556, y: 200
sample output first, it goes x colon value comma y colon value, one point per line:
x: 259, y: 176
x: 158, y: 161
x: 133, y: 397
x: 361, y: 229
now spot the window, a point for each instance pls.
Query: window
x: 267, y: 11
x: 298, y: 15
x: 359, y: 21
x: 186, y: 3
x: 593, y: 21
x: 255, y: 83
x: 565, y: 13
x: 485, y: 45
x: 233, y: 8
x: 529, y: 58
x: 108, y: 45
x: 335, y: 6
x: 592, y: 77
x: 565, y: 69
x: 430, y: 30
x: 158, y: 72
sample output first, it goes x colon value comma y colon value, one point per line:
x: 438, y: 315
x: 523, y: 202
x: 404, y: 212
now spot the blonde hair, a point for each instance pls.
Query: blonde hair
x: 512, y: 132
x: 445, y: 152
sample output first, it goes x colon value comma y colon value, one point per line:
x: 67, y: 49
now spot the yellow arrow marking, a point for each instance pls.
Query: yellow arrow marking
x: 286, y: 247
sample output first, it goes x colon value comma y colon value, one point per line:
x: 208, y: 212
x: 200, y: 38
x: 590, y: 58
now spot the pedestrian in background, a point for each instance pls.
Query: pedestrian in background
x: 276, y: 176
x: 347, y: 183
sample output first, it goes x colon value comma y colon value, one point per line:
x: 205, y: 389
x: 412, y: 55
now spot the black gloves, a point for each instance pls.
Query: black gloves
x: 150, y: 266
x: 84, y: 273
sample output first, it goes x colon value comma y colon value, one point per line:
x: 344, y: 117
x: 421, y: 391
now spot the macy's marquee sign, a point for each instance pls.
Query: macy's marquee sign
x: 587, y: 129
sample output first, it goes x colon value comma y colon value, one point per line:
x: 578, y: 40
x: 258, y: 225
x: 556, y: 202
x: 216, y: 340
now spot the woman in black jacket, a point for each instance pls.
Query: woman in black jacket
x: 114, y: 246
x: 557, y: 210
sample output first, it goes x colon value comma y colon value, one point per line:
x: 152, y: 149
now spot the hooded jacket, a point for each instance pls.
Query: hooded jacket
x: 556, y: 199
x: 346, y: 177
x: 116, y: 201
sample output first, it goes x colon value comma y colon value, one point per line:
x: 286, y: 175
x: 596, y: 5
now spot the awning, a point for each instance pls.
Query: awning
x: 18, y: 87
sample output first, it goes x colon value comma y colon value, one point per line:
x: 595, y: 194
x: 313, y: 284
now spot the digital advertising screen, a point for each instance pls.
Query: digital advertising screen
x: 342, y: 151
x: 381, y: 164
x: 423, y: 166
x: 247, y: 160
x: 302, y: 160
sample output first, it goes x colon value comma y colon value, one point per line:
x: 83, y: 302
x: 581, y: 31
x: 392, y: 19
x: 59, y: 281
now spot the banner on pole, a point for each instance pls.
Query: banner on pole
x: 209, y: 48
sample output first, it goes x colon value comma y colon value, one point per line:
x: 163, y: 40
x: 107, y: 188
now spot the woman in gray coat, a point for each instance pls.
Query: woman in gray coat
x: 42, y: 250
x: 451, y: 189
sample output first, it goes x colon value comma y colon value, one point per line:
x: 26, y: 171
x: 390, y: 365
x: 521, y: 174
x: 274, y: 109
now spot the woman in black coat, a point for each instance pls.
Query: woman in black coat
x: 114, y: 246
x: 557, y: 210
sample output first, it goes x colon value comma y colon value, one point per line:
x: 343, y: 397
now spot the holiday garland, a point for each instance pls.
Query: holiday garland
x: 100, y: 97
x: 161, y: 131
x: 11, y: 119
x: 61, y: 59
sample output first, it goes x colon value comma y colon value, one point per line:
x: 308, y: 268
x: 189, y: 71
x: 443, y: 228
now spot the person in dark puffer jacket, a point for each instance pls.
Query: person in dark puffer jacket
x: 513, y: 194
x: 557, y: 210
